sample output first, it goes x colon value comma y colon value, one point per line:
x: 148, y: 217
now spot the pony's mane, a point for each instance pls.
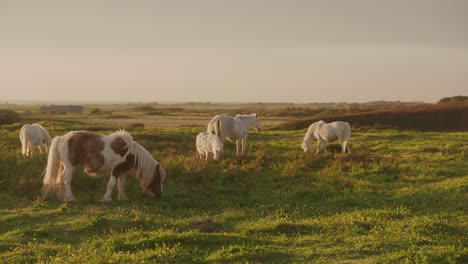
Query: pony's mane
x: 44, y: 132
x: 242, y: 116
x: 310, y: 132
x: 248, y: 118
x: 308, y: 136
x: 124, y: 135
x: 144, y: 163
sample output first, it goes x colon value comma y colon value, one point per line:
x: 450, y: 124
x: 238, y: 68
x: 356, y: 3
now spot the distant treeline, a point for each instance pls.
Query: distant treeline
x: 451, y: 116
x: 267, y: 109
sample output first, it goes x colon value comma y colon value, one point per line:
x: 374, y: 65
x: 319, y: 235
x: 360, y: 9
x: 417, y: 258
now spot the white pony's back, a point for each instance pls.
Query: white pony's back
x: 34, y: 135
x: 237, y: 128
x: 208, y: 143
x: 322, y: 131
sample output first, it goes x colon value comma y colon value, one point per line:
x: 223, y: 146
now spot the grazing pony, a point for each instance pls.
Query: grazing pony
x: 98, y: 154
x: 208, y: 143
x: 236, y: 128
x: 32, y: 135
x: 322, y: 131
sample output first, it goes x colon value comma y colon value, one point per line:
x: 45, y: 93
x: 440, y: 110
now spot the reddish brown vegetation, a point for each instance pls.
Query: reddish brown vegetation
x: 425, y: 117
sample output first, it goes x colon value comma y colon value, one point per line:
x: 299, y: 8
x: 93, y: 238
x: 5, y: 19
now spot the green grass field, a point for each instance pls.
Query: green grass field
x: 400, y: 197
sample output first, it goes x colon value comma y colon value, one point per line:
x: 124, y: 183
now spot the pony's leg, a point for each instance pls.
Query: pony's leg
x: 343, y: 143
x: 347, y: 147
x: 237, y: 147
x: 28, y: 149
x: 244, y: 145
x: 343, y: 146
x: 317, y: 151
x: 110, y: 186
x: 321, y: 143
x: 40, y: 149
x: 67, y: 177
x: 121, y: 186
x: 23, y: 146
x: 324, y: 148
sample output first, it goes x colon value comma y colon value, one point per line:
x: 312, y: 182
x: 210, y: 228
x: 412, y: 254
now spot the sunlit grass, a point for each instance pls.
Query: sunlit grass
x: 400, y: 197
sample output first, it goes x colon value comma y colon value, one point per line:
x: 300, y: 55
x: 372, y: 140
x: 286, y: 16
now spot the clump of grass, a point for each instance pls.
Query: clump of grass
x: 137, y: 126
x: 118, y: 116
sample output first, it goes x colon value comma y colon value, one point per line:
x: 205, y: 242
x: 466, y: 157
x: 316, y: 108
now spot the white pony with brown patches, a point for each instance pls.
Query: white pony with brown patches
x: 208, y: 143
x: 322, y: 131
x: 34, y: 135
x: 98, y: 154
x: 237, y: 128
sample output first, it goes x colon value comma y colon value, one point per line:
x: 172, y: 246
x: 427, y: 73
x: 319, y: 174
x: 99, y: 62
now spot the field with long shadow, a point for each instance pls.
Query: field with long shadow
x: 399, y: 197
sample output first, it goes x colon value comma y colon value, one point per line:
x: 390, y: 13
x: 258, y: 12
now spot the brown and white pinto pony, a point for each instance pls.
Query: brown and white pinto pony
x: 99, y: 154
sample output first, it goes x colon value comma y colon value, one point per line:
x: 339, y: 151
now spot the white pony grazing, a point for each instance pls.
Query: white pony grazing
x: 208, y: 143
x: 98, y: 154
x: 322, y: 131
x: 34, y: 135
x: 236, y: 128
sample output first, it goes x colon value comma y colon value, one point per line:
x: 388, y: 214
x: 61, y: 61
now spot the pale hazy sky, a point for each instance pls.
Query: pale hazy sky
x: 233, y: 51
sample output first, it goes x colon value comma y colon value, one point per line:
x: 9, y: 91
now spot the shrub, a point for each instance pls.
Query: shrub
x: 137, y: 125
x: 8, y: 117
x: 95, y: 111
x: 452, y: 99
x: 144, y: 108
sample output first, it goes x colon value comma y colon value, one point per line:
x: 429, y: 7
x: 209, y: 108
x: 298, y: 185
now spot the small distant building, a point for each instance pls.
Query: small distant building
x: 77, y: 109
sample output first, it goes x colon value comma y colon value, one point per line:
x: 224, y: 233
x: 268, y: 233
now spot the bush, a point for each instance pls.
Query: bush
x: 137, y: 125
x: 8, y: 117
x: 95, y: 111
x: 144, y: 108
x: 452, y: 99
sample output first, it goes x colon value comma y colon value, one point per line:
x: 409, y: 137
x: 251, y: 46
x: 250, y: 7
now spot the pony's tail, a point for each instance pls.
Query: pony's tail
x: 23, y: 141
x: 218, y: 128
x: 347, y: 136
x: 53, y: 169
x: 209, y: 128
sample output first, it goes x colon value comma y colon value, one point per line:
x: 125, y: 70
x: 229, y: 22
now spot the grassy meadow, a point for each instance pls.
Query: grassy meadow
x: 400, y: 197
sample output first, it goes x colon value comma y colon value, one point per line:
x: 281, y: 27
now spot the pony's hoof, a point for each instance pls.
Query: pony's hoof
x: 106, y: 200
x: 69, y: 199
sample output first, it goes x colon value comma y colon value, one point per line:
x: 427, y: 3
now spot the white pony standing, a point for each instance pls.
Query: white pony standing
x: 208, y: 143
x: 34, y: 135
x: 322, y: 131
x: 236, y: 128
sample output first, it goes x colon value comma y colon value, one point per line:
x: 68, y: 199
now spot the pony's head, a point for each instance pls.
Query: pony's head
x: 47, y: 141
x: 217, y: 149
x: 305, y: 146
x: 150, y: 173
x: 153, y: 184
x: 255, y: 123
x: 155, y: 187
x: 310, y: 135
